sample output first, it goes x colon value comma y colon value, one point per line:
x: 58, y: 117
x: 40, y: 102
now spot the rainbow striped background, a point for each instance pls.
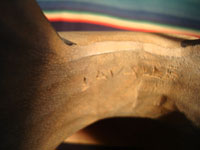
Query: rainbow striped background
x: 162, y: 16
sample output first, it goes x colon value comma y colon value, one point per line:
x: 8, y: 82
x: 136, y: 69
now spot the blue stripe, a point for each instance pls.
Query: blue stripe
x: 67, y: 26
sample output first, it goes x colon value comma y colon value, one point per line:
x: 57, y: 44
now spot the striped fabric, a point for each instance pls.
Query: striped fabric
x: 164, y: 16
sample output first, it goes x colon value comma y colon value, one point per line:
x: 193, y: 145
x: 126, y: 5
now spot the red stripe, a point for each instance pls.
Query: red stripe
x: 57, y: 19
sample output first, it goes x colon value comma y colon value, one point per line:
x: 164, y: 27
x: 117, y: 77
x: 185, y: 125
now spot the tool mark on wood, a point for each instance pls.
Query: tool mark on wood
x: 112, y: 74
x: 161, y: 101
x: 121, y: 69
x: 85, y: 80
x: 85, y: 85
x: 134, y: 71
x: 101, y: 75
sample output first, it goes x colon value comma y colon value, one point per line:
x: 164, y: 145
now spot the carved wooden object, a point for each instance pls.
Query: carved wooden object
x: 49, y: 90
